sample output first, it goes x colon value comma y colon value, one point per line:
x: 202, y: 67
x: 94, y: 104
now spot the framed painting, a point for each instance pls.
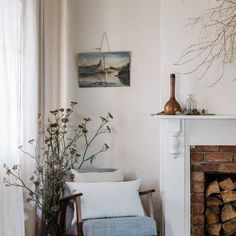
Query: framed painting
x: 104, y: 69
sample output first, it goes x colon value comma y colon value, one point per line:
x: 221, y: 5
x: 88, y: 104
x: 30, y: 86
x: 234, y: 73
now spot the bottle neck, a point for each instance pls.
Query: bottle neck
x: 172, y: 87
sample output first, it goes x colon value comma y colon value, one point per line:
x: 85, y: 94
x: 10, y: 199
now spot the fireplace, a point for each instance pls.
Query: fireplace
x: 211, y: 140
x: 213, y: 195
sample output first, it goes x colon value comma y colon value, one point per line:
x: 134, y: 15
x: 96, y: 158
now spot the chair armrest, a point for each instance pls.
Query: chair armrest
x: 71, y: 197
x: 146, y: 192
x: 62, y: 216
x: 149, y: 198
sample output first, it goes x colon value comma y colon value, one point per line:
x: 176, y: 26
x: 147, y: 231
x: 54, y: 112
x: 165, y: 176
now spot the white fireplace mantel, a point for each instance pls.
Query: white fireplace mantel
x: 178, y: 133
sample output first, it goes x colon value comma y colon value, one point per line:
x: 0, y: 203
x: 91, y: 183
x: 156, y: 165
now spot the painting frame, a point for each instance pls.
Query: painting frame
x: 104, y: 69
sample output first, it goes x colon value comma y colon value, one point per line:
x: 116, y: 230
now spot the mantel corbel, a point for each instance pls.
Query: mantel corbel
x: 174, y: 135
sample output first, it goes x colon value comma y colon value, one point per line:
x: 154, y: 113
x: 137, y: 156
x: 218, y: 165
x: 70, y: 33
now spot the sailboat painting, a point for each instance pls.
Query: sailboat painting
x: 104, y: 69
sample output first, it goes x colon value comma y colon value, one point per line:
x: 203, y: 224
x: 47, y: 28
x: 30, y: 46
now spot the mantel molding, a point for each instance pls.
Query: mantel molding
x: 196, y: 117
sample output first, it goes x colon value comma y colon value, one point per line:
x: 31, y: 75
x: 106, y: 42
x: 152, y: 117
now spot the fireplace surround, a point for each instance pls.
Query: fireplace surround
x: 178, y: 135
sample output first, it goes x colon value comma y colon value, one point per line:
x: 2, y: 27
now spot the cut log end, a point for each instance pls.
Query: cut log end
x: 227, y: 184
x: 227, y: 213
x: 228, y: 196
x: 229, y: 227
x: 212, y: 217
x: 214, y: 201
x: 214, y: 229
x: 212, y: 188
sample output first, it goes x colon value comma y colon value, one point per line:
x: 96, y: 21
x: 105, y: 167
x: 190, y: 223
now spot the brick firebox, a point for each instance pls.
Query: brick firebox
x: 207, y: 160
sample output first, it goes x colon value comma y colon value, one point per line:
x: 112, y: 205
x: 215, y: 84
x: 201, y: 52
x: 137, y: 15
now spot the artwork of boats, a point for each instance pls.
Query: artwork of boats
x: 104, y: 69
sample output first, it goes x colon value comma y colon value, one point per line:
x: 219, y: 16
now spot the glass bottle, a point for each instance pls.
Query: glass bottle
x: 172, y: 106
x: 190, y: 104
x: 194, y: 102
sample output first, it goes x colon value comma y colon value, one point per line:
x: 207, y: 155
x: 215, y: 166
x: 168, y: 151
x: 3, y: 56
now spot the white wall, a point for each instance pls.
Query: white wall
x: 131, y: 25
x: 174, y: 39
x: 156, y: 35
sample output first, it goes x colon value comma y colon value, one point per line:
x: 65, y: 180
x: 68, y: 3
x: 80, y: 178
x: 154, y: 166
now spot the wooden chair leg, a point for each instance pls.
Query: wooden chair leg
x: 151, y: 211
x: 79, y: 217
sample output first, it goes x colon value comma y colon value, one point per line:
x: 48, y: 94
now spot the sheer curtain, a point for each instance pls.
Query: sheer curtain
x: 11, y: 199
x: 18, y: 105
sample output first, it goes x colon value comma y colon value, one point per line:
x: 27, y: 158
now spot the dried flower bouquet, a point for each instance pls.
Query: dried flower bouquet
x: 56, y: 151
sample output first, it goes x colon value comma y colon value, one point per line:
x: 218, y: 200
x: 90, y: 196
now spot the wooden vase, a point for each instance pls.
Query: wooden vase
x: 49, y: 228
x: 172, y: 106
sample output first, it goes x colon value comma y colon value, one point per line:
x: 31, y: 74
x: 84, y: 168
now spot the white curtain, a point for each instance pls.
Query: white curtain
x: 11, y: 200
x: 18, y: 106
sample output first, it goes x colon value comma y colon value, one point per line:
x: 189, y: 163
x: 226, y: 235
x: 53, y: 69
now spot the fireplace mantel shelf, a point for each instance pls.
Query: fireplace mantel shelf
x: 196, y: 117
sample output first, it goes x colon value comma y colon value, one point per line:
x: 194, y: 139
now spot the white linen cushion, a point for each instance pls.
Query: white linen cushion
x: 108, y: 199
x: 98, y: 176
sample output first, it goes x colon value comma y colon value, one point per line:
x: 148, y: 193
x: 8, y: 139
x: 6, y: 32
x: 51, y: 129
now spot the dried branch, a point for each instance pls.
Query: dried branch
x: 219, y: 50
x: 101, y: 130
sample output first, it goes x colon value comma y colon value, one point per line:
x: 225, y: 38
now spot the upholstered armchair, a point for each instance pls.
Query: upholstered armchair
x: 114, y: 226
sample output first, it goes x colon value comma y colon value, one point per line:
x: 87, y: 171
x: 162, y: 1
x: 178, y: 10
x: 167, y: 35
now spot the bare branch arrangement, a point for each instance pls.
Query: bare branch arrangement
x: 219, y: 49
x: 59, y: 152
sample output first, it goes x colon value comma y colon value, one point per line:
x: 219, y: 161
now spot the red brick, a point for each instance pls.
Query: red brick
x: 197, y: 230
x: 197, y: 157
x: 212, y: 167
x: 197, y: 208
x: 234, y: 158
x: 198, y: 219
x: 197, y: 187
x: 228, y: 148
x: 197, y: 197
x: 197, y: 177
x: 205, y: 149
x: 219, y: 157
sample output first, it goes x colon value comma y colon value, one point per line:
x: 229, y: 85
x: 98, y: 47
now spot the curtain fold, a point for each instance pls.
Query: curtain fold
x: 29, y: 99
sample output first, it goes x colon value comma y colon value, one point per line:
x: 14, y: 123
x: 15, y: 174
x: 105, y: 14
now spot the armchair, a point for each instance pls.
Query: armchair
x: 115, y: 226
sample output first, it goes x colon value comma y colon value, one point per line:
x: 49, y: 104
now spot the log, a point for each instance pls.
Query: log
x: 214, y: 229
x: 229, y: 227
x: 227, y: 212
x: 218, y: 196
x: 234, y: 205
x: 213, y: 187
x: 227, y: 184
x: 212, y: 217
x: 228, y: 196
x: 213, y: 201
x: 216, y: 209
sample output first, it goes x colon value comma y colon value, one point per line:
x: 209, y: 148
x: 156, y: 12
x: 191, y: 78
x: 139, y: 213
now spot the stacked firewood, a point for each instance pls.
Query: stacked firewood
x: 221, y: 208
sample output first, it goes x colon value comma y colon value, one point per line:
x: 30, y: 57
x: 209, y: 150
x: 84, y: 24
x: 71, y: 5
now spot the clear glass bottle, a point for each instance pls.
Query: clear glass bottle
x: 190, y: 104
